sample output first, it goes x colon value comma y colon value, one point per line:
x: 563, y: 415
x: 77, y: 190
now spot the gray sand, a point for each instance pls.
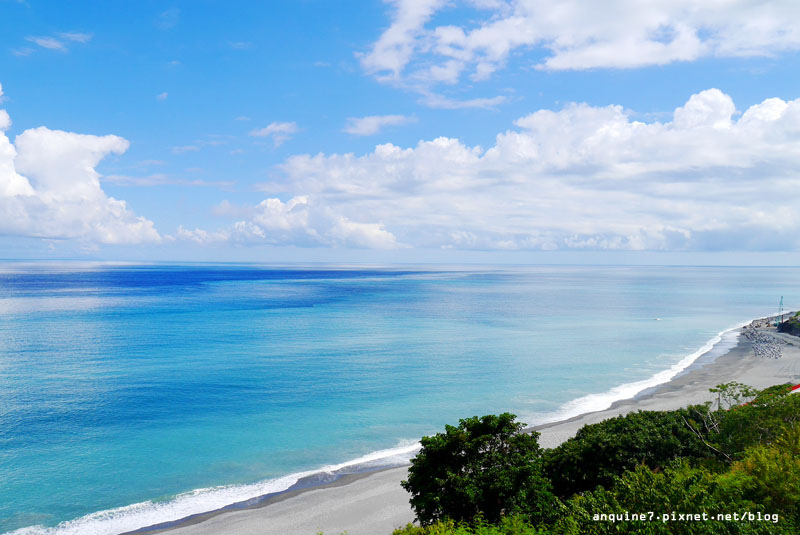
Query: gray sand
x: 376, y: 504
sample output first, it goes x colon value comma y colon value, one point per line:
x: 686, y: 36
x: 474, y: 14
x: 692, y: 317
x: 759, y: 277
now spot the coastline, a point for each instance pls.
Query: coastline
x: 372, y: 502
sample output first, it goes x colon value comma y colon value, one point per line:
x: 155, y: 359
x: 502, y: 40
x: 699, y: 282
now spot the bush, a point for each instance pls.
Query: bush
x: 513, y: 525
x: 484, y: 477
x: 759, y: 422
x: 600, y: 452
x: 483, y: 467
x: 678, y: 489
x: 770, y: 475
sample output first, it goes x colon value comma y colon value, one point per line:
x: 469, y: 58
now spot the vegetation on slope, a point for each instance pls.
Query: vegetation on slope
x: 791, y: 326
x: 648, y: 472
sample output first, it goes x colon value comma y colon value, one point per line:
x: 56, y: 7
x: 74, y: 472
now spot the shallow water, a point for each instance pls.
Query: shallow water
x: 126, y: 385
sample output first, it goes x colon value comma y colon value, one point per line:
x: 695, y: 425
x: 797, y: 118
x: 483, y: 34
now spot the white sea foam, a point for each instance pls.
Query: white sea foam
x: 149, y: 513
x: 724, y: 340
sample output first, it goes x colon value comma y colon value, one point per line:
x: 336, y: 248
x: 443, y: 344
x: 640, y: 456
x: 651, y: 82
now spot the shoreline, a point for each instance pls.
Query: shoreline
x: 364, y: 496
x: 304, y: 484
x: 372, y: 501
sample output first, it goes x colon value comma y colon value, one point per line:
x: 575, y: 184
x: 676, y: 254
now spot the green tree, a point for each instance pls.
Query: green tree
x: 509, y: 525
x: 731, y: 394
x: 483, y: 467
x: 759, y: 422
x: 677, y: 490
x: 770, y: 475
x: 600, y: 452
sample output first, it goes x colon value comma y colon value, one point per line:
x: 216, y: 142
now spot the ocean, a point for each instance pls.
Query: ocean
x: 137, y: 394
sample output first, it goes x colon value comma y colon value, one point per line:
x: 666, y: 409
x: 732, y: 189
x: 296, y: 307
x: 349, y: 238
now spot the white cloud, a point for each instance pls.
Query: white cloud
x: 395, y: 47
x: 575, y: 34
x: 49, y: 188
x: 76, y: 36
x: 279, y: 132
x: 296, y: 222
x: 200, y: 236
x: 162, y: 96
x: 372, y: 124
x: 50, y: 43
x: 580, y: 177
x: 433, y: 100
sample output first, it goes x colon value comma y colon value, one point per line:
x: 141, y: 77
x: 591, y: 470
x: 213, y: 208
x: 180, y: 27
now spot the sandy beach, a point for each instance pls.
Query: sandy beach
x: 375, y: 504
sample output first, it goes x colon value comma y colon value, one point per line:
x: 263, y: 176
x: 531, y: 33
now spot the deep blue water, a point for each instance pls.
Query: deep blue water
x: 124, y: 385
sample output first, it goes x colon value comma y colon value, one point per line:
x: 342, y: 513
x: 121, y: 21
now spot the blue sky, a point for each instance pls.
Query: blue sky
x: 406, y: 130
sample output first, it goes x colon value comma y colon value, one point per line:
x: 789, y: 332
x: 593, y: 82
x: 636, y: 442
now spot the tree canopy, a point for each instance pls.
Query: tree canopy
x: 483, y: 467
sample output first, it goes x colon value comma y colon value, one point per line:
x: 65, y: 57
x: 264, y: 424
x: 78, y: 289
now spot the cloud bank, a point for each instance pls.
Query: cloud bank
x: 49, y: 188
x: 297, y: 221
x: 582, y: 177
x: 575, y: 35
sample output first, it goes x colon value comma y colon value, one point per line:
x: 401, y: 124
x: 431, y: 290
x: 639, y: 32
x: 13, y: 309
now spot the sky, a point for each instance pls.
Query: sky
x: 401, y: 131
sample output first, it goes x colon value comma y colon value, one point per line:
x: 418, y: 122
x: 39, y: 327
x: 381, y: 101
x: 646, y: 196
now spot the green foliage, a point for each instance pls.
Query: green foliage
x: 601, y: 451
x: 791, y: 325
x: 771, y: 475
x: 759, y: 422
x: 509, y: 525
x: 733, y: 393
x: 485, y: 477
x: 679, y: 489
x: 483, y: 467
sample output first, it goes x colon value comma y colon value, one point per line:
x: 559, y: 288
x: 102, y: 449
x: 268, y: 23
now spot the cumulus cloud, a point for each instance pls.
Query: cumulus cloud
x: 49, y: 188
x: 581, y: 177
x: 575, y: 34
x: 372, y: 124
x: 297, y: 222
x: 279, y: 132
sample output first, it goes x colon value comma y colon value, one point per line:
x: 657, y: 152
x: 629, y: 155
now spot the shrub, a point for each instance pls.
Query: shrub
x: 513, y: 525
x: 483, y: 467
x: 599, y: 452
x: 770, y: 475
x: 679, y: 489
x: 759, y: 422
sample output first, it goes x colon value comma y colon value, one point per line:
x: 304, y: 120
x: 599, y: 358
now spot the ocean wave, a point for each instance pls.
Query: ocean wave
x: 719, y: 344
x: 150, y: 513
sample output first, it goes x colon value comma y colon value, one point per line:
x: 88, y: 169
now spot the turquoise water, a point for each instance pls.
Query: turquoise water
x: 123, y: 385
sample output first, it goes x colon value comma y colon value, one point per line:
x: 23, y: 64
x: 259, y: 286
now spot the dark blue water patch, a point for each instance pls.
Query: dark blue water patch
x: 110, y: 280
